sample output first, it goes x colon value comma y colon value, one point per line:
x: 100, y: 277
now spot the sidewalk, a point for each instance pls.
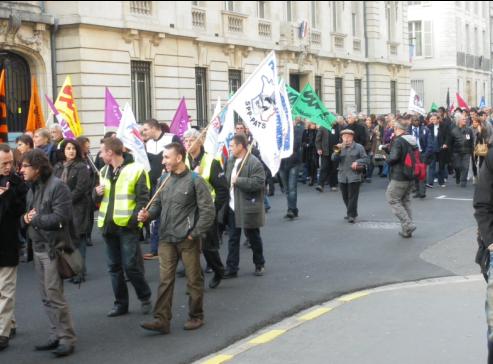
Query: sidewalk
x: 432, y: 321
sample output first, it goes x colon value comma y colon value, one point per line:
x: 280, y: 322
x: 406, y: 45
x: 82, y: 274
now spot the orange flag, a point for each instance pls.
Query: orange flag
x: 4, y: 129
x: 35, y: 117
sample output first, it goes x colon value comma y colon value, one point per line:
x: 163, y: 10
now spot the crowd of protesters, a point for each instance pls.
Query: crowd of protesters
x: 48, y: 184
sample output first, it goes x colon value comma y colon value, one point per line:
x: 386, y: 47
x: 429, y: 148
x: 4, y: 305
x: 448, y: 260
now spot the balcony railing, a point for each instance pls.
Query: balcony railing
x: 315, y: 37
x: 338, y: 40
x: 198, y: 18
x: 264, y: 29
x: 470, y: 61
x: 141, y: 7
x: 233, y: 22
x: 357, y: 44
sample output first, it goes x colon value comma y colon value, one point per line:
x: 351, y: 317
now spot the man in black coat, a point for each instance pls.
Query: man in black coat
x: 12, y: 205
x: 325, y: 141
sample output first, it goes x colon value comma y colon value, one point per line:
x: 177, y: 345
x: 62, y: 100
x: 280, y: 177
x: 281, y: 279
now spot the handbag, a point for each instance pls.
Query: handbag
x: 481, y: 149
x: 69, y: 265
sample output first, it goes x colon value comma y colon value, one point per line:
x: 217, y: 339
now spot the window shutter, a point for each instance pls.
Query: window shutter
x: 428, y: 39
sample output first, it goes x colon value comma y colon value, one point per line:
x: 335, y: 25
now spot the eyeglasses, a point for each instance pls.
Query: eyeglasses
x: 25, y: 165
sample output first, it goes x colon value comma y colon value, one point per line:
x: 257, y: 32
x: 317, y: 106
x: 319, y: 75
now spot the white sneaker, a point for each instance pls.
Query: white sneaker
x: 435, y: 180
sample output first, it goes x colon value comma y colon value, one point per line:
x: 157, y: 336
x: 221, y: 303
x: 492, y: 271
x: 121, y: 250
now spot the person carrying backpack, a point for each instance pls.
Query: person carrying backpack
x: 405, y: 166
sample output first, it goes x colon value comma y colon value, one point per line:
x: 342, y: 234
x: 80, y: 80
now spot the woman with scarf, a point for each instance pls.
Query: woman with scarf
x: 73, y: 171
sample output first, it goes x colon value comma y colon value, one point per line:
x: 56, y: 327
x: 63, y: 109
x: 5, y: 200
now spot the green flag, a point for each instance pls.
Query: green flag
x: 292, y: 94
x: 309, y: 106
x: 434, y: 107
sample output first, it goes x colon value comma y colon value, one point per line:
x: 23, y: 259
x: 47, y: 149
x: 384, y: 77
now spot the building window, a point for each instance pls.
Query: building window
x: 234, y: 85
x: 388, y: 17
x: 141, y: 90
x: 416, y: 37
x: 357, y: 95
x: 339, y: 95
x: 201, y: 95
x: 468, y: 39
x: 414, y: 3
x: 261, y: 10
x: 335, y: 18
x: 289, y: 11
x: 318, y: 86
x: 393, y: 97
x: 419, y: 87
x: 141, y: 7
x: 314, y: 11
x: 229, y: 5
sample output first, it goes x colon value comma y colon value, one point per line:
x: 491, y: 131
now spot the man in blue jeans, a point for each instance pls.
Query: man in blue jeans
x: 289, y: 170
x: 123, y: 192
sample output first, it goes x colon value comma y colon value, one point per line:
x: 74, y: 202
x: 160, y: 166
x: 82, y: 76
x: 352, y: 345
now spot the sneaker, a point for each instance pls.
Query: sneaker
x: 193, y: 324
x: 444, y: 185
x: 146, y: 307
x: 289, y: 215
x: 351, y: 219
x: 259, y: 271
x: 428, y: 186
x: 117, y: 311
x: 319, y: 188
x: 435, y: 180
x: 156, y: 325
x: 334, y: 189
x: 229, y: 274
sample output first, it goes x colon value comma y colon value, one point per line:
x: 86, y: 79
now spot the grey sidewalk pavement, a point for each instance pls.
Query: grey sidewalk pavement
x: 433, y: 321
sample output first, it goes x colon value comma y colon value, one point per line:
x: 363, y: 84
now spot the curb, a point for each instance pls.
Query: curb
x: 271, y: 332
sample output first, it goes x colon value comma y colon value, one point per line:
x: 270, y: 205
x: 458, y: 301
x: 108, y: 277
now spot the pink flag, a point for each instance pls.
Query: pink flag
x: 461, y: 103
x: 179, y: 125
x: 112, y: 113
x: 66, y: 131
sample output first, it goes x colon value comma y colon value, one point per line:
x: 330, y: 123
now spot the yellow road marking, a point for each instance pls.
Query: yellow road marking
x: 314, y: 314
x: 353, y: 296
x: 268, y: 336
x: 218, y: 359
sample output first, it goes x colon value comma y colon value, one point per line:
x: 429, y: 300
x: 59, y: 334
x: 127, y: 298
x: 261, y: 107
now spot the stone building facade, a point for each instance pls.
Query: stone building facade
x: 452, y: 50
x: 354, y: 53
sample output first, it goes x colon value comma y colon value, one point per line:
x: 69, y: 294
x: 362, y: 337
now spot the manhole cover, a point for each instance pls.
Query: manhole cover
x: 378, y: 225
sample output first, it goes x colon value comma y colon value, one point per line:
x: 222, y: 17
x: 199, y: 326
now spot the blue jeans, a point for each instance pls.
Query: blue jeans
x: 253, y: 236
x: 123, y: 253
x: 290, y: 181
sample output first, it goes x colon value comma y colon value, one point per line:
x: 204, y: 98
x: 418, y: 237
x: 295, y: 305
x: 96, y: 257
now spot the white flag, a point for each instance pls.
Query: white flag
x: 287, y: 122
x: 128, y: 132
x: 255, y: 102
x: 415, y: 103
x: 211, y: 143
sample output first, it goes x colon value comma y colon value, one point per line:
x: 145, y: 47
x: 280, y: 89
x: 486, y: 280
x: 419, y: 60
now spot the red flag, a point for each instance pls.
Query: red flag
x: 452, y: 108
x: 4, y: 129
x: 461, y: 103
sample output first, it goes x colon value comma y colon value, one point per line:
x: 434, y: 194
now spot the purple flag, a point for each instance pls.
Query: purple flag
x: 179, y: 125
x: 112, y: 113
x: 66, y: 131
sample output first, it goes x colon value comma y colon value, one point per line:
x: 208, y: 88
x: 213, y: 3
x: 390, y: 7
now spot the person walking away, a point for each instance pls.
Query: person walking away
x: 187, y: 213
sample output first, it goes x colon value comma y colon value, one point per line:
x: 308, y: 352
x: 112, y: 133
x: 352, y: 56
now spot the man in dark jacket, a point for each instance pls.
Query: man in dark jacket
x: 325, y: 142
x: 438, y: 150
x: 123, y: 191
x: 289, y: 171
x: 360, y: 131
x: 12, y: 205
x: 483, y: 212
x: 401, y: 184
x: 211, y: 171
x: 49, y: 208
x: 187, y: 213
x: 462, y: 146
x: 246, y: 208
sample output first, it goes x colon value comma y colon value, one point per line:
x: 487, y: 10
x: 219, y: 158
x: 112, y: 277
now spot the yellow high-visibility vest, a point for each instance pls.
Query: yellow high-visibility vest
x: 205, y: 171
x: 125, y: 199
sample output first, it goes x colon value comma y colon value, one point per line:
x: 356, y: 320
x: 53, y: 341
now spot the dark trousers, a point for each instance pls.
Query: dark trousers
x: 328, y: 170
x: 123, y: 253
x: 350, y: 194
x: 253, y: 236
x: 214, y: 262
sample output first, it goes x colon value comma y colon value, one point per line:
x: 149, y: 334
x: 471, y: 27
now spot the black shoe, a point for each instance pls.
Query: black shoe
x: 4, y: 342
x: 319, y: 189
x: 416, y: 195
x: 346, y: 217
x: 89, y: 243
x: 290, y: 215
x: 259, y: 271
x: 117, y: 311
x: 63, y: 350
x: 228, y: 275
x: 50, y: 345
x: 214, y: 282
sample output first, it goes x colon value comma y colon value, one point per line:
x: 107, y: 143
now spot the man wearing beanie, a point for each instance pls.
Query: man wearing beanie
x: 401, y: 180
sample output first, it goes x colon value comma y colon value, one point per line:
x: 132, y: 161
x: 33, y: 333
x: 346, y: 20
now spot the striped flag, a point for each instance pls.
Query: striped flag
x: 4, y: 129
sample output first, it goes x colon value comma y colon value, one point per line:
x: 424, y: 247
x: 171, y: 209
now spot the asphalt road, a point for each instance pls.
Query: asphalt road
x: 310, y: 260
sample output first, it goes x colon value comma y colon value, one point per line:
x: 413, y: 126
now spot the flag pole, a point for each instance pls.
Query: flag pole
x: 157, y: 192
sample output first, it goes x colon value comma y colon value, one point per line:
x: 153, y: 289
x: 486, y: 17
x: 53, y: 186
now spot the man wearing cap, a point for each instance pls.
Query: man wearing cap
x: 352, y: 160
x: 400, y: 186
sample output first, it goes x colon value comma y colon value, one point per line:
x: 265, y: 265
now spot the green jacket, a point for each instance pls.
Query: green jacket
x: 185, y: 206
